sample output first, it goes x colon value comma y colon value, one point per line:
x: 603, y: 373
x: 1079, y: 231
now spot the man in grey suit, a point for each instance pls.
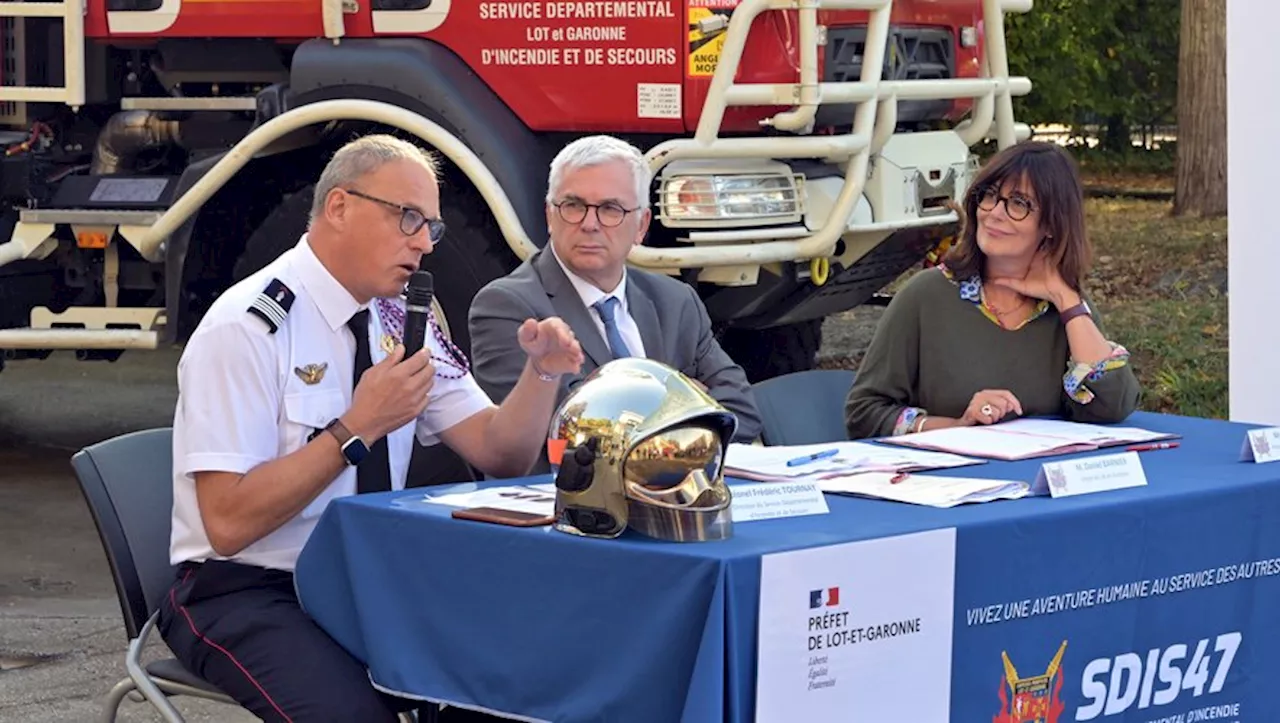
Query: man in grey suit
x: 597, y: 211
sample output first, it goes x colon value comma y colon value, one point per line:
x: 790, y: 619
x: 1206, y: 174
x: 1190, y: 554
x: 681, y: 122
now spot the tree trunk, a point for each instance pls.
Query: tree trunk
x: 1201, y: 185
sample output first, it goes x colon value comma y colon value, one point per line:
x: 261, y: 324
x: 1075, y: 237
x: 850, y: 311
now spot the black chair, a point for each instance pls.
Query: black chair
x: 804, y: 407
x: 127, y: 482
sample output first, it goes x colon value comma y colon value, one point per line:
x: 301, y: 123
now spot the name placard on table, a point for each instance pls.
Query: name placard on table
x: 774, y: 500
x: 1261, y: 445
x: 1090, y: 474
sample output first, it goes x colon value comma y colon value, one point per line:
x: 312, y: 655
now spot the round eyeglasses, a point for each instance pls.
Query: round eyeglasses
x: 609, y: 213
x: 411, y: 219
x: 1017, y: 206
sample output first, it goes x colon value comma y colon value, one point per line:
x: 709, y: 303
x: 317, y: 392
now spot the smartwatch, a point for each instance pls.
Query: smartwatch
x: 1081, y: 309
x: 354, y: 450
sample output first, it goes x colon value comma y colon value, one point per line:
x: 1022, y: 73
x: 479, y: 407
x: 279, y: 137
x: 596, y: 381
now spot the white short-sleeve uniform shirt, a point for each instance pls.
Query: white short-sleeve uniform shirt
x: 245, y: 396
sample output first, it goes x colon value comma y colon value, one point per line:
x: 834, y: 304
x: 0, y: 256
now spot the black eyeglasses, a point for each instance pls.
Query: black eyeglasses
x: 608, y: 213
x: 1017, y: 206
x: 411, y: 219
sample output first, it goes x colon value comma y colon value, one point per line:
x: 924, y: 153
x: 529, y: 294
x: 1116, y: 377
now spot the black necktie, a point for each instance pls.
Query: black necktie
x: 374, y: 473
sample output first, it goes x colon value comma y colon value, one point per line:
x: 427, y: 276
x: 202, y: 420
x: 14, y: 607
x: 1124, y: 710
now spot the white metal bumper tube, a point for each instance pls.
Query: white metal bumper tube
x: 78, y: 339
x: 150, y: 239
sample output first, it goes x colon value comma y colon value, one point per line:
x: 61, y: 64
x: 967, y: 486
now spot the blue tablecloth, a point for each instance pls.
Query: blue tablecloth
x: 541, y: 625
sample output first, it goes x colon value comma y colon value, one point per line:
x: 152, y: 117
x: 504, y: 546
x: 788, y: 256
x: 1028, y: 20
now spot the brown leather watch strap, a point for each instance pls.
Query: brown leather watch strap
x: 339, y: 431
x: 1081, y: 309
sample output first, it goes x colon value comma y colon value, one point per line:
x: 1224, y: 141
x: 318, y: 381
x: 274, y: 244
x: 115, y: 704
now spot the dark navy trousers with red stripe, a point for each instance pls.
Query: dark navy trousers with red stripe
x: 240, y: 627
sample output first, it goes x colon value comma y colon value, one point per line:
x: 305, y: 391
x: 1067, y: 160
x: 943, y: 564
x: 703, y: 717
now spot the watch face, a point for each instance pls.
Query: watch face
x: 355, y: 451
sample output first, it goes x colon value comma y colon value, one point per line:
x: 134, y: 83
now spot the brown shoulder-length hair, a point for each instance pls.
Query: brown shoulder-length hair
x: 1059, y: 195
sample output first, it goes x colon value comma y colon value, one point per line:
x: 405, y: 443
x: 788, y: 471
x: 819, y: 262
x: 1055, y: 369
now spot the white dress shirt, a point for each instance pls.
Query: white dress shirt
x: 244, y: 398
x: 590, y: 294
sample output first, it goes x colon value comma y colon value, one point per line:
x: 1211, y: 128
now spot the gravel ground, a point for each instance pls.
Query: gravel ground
x: 845, y: 337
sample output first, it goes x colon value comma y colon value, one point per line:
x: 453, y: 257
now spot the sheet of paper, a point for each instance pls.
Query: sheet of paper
x: 515, y: 498
x: 1080, y: 432
x: 930, y: 490
x: 990, y: 442
x: 770, y: 463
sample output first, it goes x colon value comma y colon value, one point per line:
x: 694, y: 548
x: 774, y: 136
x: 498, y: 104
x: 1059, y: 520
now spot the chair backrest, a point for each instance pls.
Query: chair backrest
x: 804, y: 407
x: 127, y: 482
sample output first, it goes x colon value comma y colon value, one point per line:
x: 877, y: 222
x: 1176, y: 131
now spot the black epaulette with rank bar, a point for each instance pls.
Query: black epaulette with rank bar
x: 273, y: 304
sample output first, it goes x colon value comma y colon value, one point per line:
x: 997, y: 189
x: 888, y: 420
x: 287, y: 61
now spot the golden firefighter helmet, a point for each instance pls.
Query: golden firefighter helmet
x: 643, y: 446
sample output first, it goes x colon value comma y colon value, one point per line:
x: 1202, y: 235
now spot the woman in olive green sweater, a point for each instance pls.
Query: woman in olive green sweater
x: 1001, y: 329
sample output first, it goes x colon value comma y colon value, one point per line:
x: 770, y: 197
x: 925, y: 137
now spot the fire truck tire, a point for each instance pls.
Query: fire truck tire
x: 461, y: 264
x: 767, y: 353
x: 472, y: 254
x: 277, y: 233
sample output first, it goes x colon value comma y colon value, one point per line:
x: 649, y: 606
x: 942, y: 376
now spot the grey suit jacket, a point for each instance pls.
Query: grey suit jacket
x: 672, y: 321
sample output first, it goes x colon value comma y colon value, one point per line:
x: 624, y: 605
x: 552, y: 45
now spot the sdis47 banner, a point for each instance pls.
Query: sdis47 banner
x: 1164, y: 627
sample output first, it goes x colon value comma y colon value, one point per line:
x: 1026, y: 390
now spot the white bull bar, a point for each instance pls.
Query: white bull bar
x: 873, y: 123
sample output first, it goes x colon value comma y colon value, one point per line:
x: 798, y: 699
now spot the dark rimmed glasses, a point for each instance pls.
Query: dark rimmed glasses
x: 411, y: 219
x: 1017, y: 206
x: 609, y: 213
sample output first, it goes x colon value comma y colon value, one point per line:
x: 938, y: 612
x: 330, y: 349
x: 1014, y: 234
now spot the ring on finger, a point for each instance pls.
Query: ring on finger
x: 987, y: 410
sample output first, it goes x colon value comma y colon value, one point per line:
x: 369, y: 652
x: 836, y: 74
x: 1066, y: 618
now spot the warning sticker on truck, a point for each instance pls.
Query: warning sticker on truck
x: 708, y: 22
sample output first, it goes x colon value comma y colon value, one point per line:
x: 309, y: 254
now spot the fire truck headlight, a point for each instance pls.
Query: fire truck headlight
x: 730, y: 200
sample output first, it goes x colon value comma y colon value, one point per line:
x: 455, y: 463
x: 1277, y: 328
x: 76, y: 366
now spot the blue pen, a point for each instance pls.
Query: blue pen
x: 812, y: 457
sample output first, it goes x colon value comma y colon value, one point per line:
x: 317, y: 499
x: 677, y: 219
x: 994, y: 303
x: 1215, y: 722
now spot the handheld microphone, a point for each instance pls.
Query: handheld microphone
x: 416, y: 309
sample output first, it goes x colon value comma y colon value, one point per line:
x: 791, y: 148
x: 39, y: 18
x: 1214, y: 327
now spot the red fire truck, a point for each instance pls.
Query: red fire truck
x: 803, y: 150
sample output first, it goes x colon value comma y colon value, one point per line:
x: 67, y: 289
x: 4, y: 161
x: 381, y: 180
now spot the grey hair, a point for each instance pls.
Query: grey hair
x: 593, y: 151
x: 364, y: 156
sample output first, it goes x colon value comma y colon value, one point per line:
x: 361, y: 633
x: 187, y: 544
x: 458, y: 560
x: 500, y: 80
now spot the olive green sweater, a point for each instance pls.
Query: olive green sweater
x: 934, y: 349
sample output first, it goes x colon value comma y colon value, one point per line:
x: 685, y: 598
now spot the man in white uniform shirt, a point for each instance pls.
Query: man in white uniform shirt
x: 268, y: 430
x: 597, y: 211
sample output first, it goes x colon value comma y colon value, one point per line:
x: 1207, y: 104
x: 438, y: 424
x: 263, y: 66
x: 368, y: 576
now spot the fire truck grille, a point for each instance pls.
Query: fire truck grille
x: 914, y: 54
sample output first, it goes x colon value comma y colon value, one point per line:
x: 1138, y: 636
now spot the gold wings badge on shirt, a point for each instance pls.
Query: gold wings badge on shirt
x: 311, y: 373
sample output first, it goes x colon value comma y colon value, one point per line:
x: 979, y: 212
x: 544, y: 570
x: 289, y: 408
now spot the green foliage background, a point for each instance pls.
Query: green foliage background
x: 1107, y: 68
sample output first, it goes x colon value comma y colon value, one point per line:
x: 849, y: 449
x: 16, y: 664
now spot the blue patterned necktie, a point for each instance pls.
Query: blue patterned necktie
x: 605, y: 308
